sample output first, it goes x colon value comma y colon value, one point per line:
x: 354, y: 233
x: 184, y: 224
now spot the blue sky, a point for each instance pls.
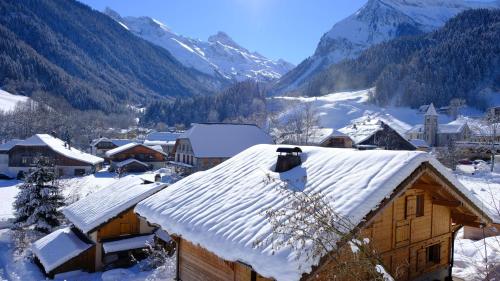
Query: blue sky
x: 288, y: 29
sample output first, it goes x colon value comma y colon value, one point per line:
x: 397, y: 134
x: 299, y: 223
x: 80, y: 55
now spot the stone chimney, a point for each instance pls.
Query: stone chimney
x: 288, y: 158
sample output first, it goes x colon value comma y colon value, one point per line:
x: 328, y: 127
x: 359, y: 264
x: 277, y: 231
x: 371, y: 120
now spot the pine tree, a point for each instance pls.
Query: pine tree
x: 38, y: 200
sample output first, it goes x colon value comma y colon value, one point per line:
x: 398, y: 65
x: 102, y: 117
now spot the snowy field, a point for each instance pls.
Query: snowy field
x: 337, y: 110
x: 470, y: 256
x: 8, y: 101
x: 21, y: 269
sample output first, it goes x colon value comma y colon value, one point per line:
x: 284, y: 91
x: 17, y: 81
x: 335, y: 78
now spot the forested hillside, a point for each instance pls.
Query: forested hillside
x: 66, y: 49
x: 460, y: 60
x: 242, y: 102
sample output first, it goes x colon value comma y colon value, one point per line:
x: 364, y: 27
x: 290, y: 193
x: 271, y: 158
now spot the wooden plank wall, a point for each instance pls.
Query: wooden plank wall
x: 85, y: 261
x: 402, y: 238
x: 125, y: 224
x: 198, y: 264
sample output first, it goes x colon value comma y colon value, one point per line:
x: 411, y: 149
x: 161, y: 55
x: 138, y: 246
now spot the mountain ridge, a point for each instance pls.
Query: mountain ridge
x: 376, y: 22
x: 220, y: 55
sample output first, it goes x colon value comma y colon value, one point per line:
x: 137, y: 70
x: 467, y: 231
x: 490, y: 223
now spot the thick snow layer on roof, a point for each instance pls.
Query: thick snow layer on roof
x: 10, y: 144
x: 222, y: 209
x: 450, y: 128
x: 224, y: 140
x: 58, y: 247
x: 360, y: 131
x: 129, y: 161
x: 128, y: 243
x: 162, y: 136
x: 117, y: 142
x: 107, y: 203
x: 419, y: 143
x: 58, y: 146
x: 127, y: 146
x: 319, y: 135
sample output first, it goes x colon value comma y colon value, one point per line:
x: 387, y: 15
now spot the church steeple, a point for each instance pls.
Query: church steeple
x: 431, y: 125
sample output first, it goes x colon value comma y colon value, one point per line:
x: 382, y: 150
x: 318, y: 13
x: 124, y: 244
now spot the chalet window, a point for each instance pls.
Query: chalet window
x: 79, y: 172
x: 420, y: 205
x: 183, y: 158
x: 178, y: 158
x: 434, y: 254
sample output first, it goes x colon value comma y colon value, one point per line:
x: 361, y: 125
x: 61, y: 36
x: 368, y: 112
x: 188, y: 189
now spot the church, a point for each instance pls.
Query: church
x: 438, y: 135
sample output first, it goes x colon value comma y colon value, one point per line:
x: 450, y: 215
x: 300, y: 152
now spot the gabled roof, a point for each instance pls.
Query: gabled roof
x: 163, y: 136
x: 223, y: 140
x: 130, y: 161
x: 222, y: 209
x: 58, y: 247
x: 117, y: 142
x: 320, y: 135
x: 361, y: 131
x: 128, y: 146
x: 10, y: 144
x: 419, y: 143
x: 431, y: 110
x: 58, y: 146
x: 450, y: 128
x: 107, y: 203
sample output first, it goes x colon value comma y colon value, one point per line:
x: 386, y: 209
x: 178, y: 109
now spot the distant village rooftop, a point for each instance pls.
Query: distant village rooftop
x: 223, y: 139
x: 60, y: 147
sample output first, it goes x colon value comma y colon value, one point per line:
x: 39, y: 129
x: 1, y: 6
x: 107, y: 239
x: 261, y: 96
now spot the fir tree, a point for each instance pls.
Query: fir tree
x: 38, y: 200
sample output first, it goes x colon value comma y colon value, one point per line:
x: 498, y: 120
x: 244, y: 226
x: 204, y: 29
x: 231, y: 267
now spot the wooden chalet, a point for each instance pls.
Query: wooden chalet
x: 67, y: 160
x: 100, y: 146
x: 407, y: 204
x: 143, y: 155
x: 328, y: 137
x: 206, y: 145
x: 104, y: 230
x: 376, y: 134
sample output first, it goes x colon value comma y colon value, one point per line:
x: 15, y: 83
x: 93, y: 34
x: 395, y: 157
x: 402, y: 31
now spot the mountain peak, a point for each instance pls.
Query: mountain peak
x: 223, y: 38
x: 112, y: 13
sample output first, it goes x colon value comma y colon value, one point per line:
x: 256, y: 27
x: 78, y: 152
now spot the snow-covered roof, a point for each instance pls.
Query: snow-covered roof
x: 222, y: 209
x: 163, y: 136
x: 431, y: 110
x: 360, y: 131
x: 223, y: 140
x: 419, y: 143
x: 103, y: 205
x: 128, y: 243
x: 450, y: 128
x: 129, y: 161
x: 158, y: 142
x: 320, y: 135
x: 10, y: 144
x: 419, y: 128
x: 128, y: 146
x: 58, y: 247
x: 58, y: 146
x: 117, y: 142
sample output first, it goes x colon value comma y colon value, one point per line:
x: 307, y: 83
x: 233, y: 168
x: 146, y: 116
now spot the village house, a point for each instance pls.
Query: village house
x: 4, y: 156
x: 66, y: 160
x: 439, y: 135
x: 328, y: 137
x: 405, y: 202
x: 100, y: 146
x: 206, y: 145
x: 136, y: 157
x: 376, y: 134
x: 104, y: 230
x: 164, y: 139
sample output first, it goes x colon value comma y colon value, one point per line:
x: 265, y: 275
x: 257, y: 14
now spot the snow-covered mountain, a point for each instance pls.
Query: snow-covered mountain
x: 375, y: 22
x: 9, y: 101
x: 219, y: 55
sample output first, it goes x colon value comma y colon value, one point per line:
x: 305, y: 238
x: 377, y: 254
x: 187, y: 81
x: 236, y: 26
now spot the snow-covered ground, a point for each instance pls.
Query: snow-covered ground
x: 338, y: 110
x: 470, y: 256
x: 21, y: 269
x: 8, y: 101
